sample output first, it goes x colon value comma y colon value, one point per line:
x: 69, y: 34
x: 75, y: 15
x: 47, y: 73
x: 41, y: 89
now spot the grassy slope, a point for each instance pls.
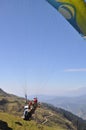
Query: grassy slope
x: 17, y: 123
x: 54, y: 119
x: 14, y: 105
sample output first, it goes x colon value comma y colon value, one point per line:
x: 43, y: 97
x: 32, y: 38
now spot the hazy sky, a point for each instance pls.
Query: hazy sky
x: 39, y: 50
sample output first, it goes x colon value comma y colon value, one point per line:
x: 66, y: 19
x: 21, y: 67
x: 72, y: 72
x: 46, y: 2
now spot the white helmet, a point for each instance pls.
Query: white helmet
x: 26, y: 107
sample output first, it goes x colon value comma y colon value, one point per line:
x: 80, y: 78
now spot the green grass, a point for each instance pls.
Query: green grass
x: 17, y: 123
x: 12, y: 110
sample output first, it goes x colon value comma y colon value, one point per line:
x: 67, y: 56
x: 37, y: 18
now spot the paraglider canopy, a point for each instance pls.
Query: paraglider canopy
x: 74, y: 11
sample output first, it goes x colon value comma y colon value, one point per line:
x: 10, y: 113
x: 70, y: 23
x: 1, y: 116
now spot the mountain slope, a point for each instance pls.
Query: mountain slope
x: 46, y: 117
x: 73, y: 122
x: 15, y: 123
x: 11, y: 103
x: 76, y: 105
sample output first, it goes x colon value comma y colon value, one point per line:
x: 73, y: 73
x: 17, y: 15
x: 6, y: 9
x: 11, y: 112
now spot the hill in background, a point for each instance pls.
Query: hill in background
x: 46, y: 117
x: 76, y: 105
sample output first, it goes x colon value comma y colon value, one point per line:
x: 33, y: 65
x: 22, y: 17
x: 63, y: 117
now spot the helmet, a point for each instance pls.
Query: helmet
x: 26, y: 107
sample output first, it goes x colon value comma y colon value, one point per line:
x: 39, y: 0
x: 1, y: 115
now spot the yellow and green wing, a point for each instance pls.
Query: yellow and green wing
x: 74, y: 11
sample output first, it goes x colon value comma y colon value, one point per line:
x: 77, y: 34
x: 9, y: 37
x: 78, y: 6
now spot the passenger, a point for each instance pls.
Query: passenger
x: 27, y: 113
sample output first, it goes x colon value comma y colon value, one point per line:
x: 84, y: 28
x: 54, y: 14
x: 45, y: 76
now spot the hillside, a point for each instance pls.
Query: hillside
x: 46, y: 117
x: 11, y: 103
x: 76, y: 105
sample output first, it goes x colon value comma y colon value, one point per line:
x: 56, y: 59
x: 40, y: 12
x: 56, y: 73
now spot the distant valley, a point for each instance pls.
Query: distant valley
x: 76, y: 105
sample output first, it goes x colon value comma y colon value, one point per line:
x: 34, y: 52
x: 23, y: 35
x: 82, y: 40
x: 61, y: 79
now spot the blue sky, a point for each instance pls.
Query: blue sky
x: 39, y: 50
